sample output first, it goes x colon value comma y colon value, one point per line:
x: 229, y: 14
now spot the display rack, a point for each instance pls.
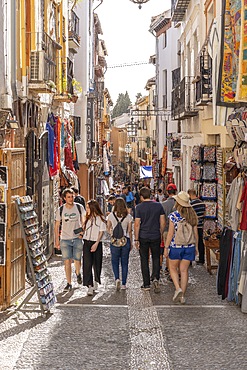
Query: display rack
x: 222, y: 186
x: 43, y: 285
x: 204, y: 177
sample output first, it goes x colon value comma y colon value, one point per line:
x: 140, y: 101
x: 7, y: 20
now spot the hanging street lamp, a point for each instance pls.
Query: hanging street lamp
x: 139, y: 2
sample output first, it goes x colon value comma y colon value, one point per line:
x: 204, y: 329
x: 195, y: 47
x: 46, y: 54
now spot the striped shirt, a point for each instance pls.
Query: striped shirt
x: 199, y: 208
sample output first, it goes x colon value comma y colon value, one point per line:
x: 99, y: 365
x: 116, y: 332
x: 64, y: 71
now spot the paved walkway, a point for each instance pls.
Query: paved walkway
x: 129, y: 329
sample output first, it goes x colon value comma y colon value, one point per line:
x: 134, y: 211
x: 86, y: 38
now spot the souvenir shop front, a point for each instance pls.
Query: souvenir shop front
x: 219, y: 175
x: 232, y: 270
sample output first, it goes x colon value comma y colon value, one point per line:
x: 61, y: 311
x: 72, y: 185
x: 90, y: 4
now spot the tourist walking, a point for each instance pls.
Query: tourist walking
x: 200, y: 209
x: 94, y: 227
x: 168, y: 206
x: 71, y: 217
x: 149, y: 227
x: 79, y: 198
x: 130, y: 199
x: 120, y: 254
x: 181, y: 253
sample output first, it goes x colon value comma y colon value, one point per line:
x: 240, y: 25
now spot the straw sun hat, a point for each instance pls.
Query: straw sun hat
x: 183, y: 199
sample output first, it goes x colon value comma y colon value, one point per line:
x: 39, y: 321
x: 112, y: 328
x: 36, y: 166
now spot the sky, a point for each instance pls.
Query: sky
x: 125, y: 32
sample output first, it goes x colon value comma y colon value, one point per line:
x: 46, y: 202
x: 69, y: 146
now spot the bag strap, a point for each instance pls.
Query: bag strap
x: 118, y: 219
x: 61, y: 210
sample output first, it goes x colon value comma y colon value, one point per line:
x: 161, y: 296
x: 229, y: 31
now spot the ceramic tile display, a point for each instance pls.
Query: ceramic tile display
x: 43, y: 285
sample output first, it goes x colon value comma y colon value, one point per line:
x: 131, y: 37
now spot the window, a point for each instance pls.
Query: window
x: 164, y: 40
x: 77, y: 128
x: 144, y: 124
x: 165, y: 88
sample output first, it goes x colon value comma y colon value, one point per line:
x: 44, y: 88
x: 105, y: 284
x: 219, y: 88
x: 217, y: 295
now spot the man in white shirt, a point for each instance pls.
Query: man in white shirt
x: 72, y: 216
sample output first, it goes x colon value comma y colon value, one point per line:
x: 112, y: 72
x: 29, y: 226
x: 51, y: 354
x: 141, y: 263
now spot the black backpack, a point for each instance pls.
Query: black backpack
x: 118, y: 232
x: 79, y: 199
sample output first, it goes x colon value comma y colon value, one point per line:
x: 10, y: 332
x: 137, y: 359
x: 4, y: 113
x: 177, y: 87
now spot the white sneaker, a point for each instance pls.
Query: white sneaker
x: 95, y: 285
x: 177, y: 295
x: 90, y: 290
x: 182, y: 300
x: 117, y: 284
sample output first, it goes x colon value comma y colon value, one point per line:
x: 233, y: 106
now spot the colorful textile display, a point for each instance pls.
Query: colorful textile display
x: 209, y: 190
x: 195, y: 171
x: 211, y: 209
x: 230, y: 59
x: 196, y: 153
x: 209, y: 171
x: 209, y: 153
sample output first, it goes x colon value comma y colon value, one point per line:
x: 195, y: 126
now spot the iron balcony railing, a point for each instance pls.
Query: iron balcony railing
x: 183, y: 99
x: 176, y: 77
x: 178, y: 9
x: 204, y: 83
x: 74, y: 27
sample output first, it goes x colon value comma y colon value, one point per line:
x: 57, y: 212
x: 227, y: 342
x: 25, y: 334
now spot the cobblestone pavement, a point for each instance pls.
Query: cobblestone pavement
x: 129, y: 329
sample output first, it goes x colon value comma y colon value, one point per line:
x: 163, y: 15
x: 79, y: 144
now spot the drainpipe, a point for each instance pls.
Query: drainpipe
x: 157, y: 89
x: 13, y: 50
x: 101, y: 1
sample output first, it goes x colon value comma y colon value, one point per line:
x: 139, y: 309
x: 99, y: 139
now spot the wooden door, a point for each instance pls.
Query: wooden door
x: 12, y: 275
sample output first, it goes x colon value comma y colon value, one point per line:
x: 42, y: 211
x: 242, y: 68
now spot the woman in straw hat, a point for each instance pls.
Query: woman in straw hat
x: 180, y: 256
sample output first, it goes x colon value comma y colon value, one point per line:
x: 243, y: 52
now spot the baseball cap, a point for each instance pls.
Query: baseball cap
x: 171, y: 187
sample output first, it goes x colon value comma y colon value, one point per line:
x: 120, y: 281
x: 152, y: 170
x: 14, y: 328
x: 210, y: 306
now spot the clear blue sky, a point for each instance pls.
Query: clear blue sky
x: 125, y: 32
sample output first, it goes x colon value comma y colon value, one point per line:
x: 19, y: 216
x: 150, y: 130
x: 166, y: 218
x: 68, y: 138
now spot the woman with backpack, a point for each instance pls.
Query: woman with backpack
x: 181, y: 243
x: 121, y: 244
x: 94, y: 227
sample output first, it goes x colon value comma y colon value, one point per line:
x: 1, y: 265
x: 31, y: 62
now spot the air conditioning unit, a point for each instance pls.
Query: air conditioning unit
x: 37, y: 66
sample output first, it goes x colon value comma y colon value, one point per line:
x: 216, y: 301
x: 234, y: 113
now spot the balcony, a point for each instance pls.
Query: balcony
x: 204, y: 82
x: 42, y: 74
x: 67, y: 91
x: 74, y: 38
x: 175, y: 102
x: 178, y: 9
x: 98, y: 69
x: 187, y: 104
x: 183, y: 105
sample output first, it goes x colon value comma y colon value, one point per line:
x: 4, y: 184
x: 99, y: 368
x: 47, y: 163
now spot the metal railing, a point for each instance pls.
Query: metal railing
x: 74, y: 26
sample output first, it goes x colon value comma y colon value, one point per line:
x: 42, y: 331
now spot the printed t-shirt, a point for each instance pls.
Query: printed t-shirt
x: 71, y: 220
x: 149, y: 212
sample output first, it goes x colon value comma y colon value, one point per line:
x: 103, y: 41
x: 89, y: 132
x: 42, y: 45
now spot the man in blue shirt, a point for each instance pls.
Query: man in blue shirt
x: 148, y: 230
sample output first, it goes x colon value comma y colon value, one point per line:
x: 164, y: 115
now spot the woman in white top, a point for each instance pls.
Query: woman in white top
x: 94, y: 227
x: 121, y: 253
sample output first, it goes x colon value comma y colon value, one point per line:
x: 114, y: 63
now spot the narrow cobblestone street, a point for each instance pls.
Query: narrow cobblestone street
x: 129, y: 329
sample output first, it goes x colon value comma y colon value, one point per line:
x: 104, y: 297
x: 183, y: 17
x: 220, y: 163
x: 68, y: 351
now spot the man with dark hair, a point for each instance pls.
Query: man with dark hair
x: 168, y: 205
x: 111, y: 201
x: 199, y: 208
x: 124, y: 193
x: 79, y: 198
x: 72, y: 217
x: 148, y: 228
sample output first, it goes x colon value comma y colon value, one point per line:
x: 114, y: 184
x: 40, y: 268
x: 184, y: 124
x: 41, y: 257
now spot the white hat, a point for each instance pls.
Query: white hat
x: 183, y: 199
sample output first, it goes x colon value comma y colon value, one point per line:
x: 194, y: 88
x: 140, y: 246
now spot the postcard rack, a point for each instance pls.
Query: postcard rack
x: 43, y: 285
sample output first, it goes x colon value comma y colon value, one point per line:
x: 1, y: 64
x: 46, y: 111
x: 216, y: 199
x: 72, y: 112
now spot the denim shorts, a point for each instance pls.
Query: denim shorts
x: 188, y: 254
x: 71, y: 249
